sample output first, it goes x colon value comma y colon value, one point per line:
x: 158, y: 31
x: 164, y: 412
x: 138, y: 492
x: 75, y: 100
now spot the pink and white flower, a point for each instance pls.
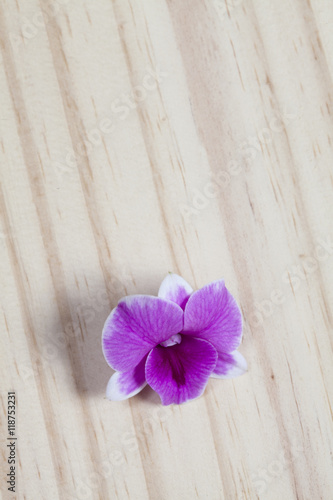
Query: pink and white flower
x: 173, y: 342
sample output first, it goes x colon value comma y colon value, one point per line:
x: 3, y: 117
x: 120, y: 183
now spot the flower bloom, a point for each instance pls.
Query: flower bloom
x: 173, y: 342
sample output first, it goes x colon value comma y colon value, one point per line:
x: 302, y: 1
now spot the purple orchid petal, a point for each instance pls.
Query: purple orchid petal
x: 175, y: 288
x: 212, y: 313
x: 135, y: 326
x: 124, y: 385
x: 229, y: 365
x: 180, y: 372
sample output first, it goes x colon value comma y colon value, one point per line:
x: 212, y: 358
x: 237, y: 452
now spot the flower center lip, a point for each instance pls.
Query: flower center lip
x: 174, y: 339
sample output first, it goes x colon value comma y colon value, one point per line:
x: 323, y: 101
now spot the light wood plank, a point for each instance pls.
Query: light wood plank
x: 221, y: 168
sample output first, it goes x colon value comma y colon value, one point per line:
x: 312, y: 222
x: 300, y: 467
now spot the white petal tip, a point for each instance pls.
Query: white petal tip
x: 238, y: 368
x: 114, y: 392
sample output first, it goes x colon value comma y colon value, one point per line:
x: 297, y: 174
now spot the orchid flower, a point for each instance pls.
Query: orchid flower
x: 173, y: 342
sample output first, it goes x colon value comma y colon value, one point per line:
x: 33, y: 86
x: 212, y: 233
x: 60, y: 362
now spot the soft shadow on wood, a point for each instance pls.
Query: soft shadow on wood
x: 78, y: 341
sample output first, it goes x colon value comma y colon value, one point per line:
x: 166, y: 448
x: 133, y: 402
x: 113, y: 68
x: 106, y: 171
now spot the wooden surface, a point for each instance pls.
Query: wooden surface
x: 139, y: 138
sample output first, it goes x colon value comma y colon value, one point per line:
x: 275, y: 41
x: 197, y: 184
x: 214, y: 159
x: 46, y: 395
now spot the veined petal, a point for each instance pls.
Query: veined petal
x: 229, y: 365
x: 175, y: 288
x: 124, y: 385
x: 135, y: 326
x: 180, y: 372
x: 212, y: 313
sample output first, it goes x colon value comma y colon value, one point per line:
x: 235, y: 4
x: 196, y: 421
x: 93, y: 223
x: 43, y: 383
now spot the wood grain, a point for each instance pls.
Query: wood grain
x: 139, y: 138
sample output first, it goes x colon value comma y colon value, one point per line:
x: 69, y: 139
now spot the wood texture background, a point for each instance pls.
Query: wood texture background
x: 141, y: 137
